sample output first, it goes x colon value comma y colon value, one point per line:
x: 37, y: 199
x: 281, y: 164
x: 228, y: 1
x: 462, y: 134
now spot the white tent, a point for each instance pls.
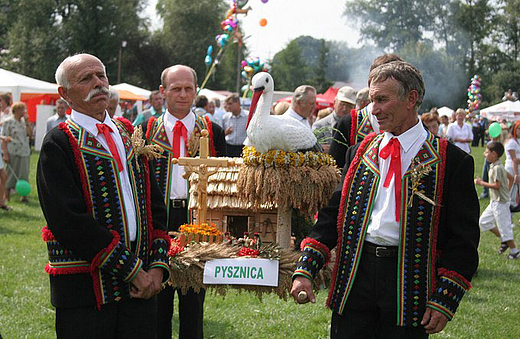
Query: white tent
x: 211, y: 94
x: 445, y: 110
x: 509, y: 110
x: 18, y: 84
x: 134, y: 89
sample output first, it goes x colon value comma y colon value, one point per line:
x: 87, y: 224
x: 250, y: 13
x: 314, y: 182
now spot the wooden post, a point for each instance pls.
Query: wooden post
x: 283, y: 228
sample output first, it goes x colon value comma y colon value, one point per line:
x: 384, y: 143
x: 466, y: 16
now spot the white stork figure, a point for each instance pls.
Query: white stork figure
x: 265, y: 131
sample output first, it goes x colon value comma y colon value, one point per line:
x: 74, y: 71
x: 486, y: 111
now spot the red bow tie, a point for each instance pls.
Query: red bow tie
x: 394, y: 148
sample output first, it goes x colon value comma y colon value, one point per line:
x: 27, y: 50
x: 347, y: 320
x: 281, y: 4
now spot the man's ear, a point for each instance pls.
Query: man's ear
x: 411, y: 99
x: 63, y: 93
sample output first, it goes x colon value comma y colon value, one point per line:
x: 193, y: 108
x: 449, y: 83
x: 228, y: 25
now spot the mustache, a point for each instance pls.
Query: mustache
x: 96, y: 91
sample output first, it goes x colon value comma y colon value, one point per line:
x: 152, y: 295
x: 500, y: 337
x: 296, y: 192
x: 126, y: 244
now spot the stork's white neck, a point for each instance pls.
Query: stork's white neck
x: 263, y: 106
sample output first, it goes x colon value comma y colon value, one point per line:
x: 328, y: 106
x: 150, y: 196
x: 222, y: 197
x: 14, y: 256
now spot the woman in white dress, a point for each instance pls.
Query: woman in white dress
x: 512, y: 164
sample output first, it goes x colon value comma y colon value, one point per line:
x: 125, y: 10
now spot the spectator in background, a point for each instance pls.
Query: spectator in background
x: 443, y: 128
x: 281, y: 107
x: 212, y: 113
x: 17, y: 152
x: 362, y: 99
x: 344, y: 102
x: 156, y: 109
x: 302, y: 105
x: 60, y: 116
x: 113, y: 97
x: 475, y: 129
x: 3, y: 178
x: 460, y: 132
x: 201, y: 105
x: 5, y: 107
x: 219, y: 112
x: 234, y: 124
x: 431, y: 121
x: 504, y: 133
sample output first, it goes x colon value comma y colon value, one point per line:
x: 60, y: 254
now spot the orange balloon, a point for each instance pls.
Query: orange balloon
x: 263, y: 22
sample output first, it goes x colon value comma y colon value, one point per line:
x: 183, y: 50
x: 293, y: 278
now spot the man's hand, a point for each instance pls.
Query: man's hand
x: 433, y: 321
x: 229, y: 130
x: 302, y: 284
x: 142, y: 285
x: 6, y: 157
x: 157, y: 276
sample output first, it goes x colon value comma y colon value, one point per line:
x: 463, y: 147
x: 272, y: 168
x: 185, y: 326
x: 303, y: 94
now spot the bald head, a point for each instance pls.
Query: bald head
x: 62, y: 72
x: 177, y: 69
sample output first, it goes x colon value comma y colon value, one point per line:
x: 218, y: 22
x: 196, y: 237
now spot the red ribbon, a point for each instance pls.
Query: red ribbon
x: 394, y: 148
x: 106, y: 130
x: 179, y: 130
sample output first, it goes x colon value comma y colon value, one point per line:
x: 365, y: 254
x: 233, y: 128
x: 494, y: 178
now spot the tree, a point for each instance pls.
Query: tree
x: 288, y: 68
x: 319, y: 81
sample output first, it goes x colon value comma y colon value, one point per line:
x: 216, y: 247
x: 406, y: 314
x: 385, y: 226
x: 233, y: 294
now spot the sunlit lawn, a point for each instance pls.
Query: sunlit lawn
x: 489, y: 310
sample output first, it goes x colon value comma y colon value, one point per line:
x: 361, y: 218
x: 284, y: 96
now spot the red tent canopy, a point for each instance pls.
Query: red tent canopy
x: 34, y: 99
x: 330, y: 94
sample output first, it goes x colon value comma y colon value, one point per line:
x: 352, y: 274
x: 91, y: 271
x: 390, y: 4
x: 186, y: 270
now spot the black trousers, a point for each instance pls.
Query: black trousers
x: 234, y: 151
x: 371, y: 308
x: 191, y: 305
x: 133, y: 318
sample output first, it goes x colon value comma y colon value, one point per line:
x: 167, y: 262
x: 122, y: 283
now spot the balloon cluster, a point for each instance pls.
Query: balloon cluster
x: 474, y: 96
x: 250, y: 67
x: 229, y: 26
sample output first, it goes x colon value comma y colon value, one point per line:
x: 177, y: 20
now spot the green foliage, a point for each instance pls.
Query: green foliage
x: 288, y: 67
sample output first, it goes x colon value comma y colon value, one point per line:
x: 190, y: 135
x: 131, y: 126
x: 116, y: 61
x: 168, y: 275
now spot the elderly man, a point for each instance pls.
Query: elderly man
x: 302, y: 104
x: 177, y: 133
x: 354, y: 127
x: 234, y: 123
x: 362, y: 99
x: 406, y: 247
x: 113, y: 97
x: 345, y: 101
x: 105, y: 216
x: 156, y: 110
x: 60, y: 116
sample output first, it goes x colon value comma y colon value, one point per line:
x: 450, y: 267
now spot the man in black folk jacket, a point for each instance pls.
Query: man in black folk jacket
x: 404, y: 223
x: 105, y: 215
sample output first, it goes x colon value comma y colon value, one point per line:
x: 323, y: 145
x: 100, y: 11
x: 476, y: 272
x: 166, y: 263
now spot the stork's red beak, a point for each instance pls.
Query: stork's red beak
x: 257, y: 92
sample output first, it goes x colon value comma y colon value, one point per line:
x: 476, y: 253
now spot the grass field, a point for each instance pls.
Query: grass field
x: 489, y: 310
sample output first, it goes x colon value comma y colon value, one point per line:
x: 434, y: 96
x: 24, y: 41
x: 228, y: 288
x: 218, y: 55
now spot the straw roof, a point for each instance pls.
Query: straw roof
x: 222, y: 189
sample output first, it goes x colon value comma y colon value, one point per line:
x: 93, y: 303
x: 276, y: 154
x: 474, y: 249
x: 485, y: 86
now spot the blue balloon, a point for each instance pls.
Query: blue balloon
x: 210, y: 49
x: 208, y: 60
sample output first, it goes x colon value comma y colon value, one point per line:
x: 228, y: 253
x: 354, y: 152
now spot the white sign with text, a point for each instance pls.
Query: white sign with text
x: 251, y: 271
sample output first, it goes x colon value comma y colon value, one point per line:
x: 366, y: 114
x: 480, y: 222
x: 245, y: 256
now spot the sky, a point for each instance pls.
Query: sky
x: 288, y: 19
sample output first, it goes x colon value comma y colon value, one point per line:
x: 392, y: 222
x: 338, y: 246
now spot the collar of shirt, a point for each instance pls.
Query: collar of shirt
x: 242, y: 114
x: 154, y: 112
x: 188, y: 121
x: 294, y: 114
x: 335, y: 116
x: 495, y: 164
x: 408, y: 138
x: 89, y: 123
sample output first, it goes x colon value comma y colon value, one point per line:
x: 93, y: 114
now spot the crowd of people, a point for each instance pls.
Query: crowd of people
x: 109, y: 210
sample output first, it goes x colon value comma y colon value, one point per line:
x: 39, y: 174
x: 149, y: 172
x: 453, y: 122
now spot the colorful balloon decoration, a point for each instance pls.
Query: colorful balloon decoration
x: 474, y: 95
x: 263, y: 22
x: 250, y: 67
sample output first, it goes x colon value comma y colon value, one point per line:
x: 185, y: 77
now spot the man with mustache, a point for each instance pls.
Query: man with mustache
x: 105, y: 216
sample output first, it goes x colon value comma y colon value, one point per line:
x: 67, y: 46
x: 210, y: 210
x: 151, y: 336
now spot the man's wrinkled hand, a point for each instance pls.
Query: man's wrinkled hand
x: 301, y: 284
x: 433, y: 321
x: 142, y: 286
x: 157, y: 276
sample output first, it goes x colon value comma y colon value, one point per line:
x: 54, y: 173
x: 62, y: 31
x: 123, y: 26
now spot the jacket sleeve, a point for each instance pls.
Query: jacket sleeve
x: 459, y: 234
x: 341, y: 140
x: 315, y: 249
x: 61, y: 194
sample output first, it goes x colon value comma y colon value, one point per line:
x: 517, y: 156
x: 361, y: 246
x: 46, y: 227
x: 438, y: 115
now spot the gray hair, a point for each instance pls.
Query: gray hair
x: 166, y: 71
x: 113, y: 94
x: 362, y: 95
x: 302, y: 92
x: 62, y: 101
x: 406, y: 75
x: 61, y: 75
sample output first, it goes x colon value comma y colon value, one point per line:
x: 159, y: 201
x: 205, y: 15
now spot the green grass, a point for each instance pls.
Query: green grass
x: 489, y: 310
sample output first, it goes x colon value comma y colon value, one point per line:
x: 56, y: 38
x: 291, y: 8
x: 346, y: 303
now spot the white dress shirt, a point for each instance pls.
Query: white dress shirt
x: 178, y: 185
x: 89, y: 124
x: 383, y: 229
x: 290, y: 112
x: 457, y: 132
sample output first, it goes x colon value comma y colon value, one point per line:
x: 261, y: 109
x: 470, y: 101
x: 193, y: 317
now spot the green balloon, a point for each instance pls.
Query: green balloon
x: 495, y: 129
x: 23, y: 188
